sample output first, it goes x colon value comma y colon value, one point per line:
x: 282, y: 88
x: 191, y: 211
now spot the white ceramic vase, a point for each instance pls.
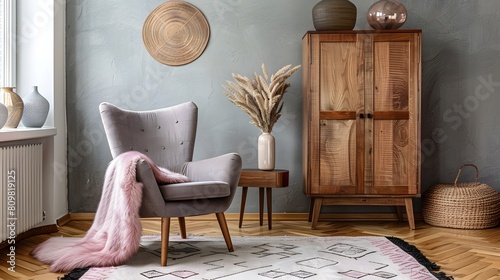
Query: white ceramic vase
x: 266, y: 151
x: 36, y: 109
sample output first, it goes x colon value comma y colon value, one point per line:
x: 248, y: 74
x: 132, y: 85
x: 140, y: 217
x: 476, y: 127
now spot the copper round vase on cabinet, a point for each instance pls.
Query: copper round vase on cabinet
x: 386, y: 14
x: 334, y: 15
x: 14, y: 105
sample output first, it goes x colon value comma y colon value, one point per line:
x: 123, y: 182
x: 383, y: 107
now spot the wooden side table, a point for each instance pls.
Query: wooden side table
x: 277, y: 178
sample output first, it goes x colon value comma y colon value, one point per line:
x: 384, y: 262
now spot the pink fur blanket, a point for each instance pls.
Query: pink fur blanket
x: 115, y: 234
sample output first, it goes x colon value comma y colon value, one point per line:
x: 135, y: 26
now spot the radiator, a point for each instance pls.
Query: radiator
x: 21, y: 189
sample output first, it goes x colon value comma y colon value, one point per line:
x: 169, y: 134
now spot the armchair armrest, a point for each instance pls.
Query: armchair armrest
x: 153, y: 203
x: 225, y: 168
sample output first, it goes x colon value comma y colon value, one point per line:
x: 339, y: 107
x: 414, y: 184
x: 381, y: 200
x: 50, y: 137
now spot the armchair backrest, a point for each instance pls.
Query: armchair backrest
x: 165, y: 135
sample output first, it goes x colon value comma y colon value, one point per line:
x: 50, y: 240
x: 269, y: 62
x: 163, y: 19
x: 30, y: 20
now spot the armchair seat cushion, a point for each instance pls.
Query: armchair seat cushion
x: 195, y: 190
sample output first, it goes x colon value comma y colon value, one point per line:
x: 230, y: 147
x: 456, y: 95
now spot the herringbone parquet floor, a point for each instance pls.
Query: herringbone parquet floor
x: 464, y: 254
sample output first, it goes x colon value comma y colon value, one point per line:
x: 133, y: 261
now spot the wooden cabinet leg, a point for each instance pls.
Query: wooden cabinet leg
x: 243, y: 201
x: 269, y: 207
x: 311, y: 206
x: 399, y: 211
x: 316, y: 210
x: 409, y: 212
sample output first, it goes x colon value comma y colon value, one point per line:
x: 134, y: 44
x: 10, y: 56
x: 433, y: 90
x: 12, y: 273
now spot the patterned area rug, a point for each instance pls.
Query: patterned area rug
x: 337, y: 257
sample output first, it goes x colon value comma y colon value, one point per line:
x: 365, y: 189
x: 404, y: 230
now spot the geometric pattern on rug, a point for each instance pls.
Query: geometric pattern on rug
x: 348, y: 250
x: 184, y: 274
x: 312, y: 258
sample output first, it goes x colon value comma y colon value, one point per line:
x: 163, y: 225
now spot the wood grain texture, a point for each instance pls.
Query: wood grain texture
x: 362, y: 133
x: 340, y: 102
x: 306, y: 103
x: 391, y: 139
x: 277, y: 178
x: 338, y: 155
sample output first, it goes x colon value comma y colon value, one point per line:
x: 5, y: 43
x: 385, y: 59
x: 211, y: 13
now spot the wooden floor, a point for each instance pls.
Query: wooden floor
x: 464, y: 254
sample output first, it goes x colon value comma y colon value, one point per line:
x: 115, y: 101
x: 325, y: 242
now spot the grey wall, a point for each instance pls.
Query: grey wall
x: 106, y: 61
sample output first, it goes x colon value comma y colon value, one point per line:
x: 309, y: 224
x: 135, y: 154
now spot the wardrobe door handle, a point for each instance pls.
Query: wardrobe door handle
x: 370, y: 116
x: 361, y: 116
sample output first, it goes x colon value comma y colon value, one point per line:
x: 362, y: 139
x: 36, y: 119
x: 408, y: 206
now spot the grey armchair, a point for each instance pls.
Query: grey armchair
x: 167, y: 136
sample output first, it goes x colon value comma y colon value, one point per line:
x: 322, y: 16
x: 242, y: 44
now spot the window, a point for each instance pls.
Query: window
x: 2, y: 17
x: 7, y: 43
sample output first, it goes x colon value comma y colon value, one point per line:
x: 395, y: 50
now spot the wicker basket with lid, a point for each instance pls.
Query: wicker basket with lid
x: 470, y: 205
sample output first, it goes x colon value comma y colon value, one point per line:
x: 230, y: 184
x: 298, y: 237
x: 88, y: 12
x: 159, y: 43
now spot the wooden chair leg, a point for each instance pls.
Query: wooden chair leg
x: 221, y: 218
x: 165, y: 234
x: 182, y: 226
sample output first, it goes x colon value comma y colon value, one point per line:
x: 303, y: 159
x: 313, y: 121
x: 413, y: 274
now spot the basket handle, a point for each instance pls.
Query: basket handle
x: 460, y: 170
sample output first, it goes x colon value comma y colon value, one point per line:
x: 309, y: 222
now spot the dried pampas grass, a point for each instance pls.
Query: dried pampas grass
x: 261, y: 100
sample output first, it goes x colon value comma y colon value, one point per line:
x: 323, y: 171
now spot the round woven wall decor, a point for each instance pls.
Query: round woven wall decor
x: 176, y: 33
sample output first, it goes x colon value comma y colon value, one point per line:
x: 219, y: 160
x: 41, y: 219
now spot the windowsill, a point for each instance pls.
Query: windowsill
x: 23, y: 133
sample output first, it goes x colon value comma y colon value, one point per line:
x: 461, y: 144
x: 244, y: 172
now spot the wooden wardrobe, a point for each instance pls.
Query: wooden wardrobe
x: 361, y: 119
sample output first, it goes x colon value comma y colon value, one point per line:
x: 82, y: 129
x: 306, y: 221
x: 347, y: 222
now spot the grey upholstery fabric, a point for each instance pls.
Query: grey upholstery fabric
x: 195, y: 190
x: 167, y: 136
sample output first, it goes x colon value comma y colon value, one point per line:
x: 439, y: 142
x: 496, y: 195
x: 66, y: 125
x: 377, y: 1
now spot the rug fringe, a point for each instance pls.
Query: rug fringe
x: 441, y: 276
x: 75, y: 274
x: 415, y: 253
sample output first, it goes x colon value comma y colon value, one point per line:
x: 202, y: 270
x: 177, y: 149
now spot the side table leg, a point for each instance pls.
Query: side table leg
x: 261, y: 205
x: 243, y: 200
x: 269, y: 193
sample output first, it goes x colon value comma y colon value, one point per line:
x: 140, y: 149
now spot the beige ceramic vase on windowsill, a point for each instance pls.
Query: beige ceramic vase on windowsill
x: 3, y: 115
x: 15, y: 106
